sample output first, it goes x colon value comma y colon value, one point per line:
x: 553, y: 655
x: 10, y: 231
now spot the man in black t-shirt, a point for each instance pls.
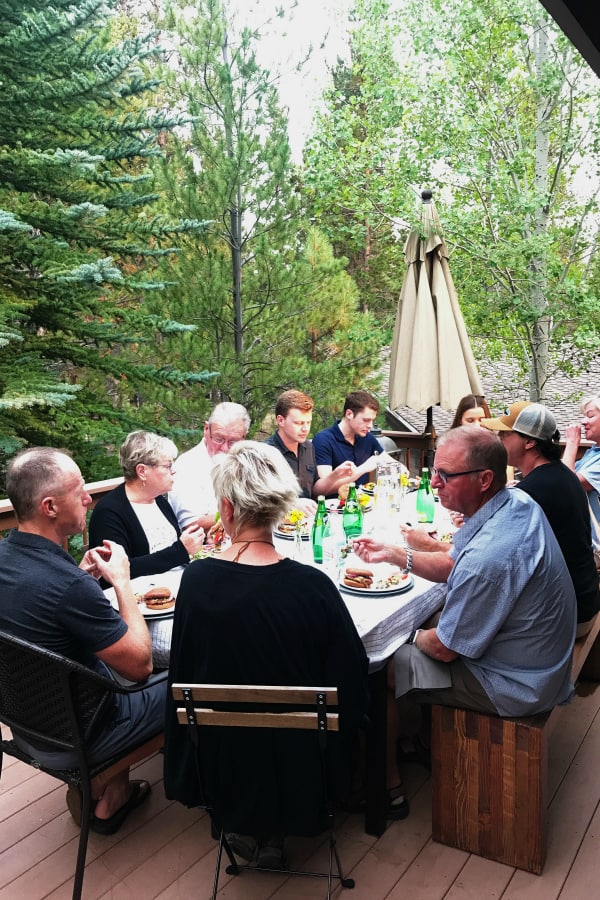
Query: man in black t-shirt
x: 531, y: 441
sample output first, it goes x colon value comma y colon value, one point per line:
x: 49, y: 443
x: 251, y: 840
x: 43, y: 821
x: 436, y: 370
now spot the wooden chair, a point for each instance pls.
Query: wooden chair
x: 243, y: 710
x: 56, y: 703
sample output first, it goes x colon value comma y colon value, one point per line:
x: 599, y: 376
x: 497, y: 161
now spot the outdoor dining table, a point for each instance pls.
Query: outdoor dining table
x: 384, y: 623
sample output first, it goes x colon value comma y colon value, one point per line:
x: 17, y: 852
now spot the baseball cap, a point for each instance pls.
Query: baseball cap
x: 536, y: 421
x: 507, y: 421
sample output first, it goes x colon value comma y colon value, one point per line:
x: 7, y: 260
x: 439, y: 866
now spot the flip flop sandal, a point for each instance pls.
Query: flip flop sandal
x: 139, y: 794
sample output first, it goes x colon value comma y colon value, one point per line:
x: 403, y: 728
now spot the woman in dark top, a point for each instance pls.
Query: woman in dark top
x: 138, y: 516
x: 253, y: 617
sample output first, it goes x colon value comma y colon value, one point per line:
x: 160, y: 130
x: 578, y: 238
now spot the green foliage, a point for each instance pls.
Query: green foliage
x: 490, y: 106
x: 356, y: 184
x: 513, y: 122
x: 269, y: 311
x: 78, y: 242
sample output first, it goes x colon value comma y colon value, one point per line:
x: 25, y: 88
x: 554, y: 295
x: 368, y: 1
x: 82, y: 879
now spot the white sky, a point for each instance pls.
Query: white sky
x: 320, y: 24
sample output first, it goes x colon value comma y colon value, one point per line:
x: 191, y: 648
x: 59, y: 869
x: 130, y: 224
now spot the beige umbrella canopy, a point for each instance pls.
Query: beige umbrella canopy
x: 431, y: 358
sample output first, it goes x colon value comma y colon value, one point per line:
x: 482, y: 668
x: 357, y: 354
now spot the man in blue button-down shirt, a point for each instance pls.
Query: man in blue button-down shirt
x: 504, y: 640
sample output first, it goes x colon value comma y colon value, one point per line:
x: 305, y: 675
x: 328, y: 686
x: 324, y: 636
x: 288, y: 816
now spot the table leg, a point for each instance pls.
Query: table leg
x: 376, y: 787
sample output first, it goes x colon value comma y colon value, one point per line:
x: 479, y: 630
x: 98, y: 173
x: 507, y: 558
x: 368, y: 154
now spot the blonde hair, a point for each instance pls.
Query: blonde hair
x: 258, y: 483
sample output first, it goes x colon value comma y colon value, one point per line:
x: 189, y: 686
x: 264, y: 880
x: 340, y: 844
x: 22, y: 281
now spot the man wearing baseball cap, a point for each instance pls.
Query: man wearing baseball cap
x: 528, y: 432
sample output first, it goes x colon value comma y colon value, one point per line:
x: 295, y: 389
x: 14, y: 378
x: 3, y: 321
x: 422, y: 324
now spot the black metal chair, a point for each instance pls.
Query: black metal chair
x: 306, y: 708
x: 56, y: 703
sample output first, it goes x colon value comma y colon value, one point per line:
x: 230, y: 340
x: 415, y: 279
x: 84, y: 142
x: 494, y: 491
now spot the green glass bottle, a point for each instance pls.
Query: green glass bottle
x: 425, y: 499
x: 352, y: 517
x: 318, y: 528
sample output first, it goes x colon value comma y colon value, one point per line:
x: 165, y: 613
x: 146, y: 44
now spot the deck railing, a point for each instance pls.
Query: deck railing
x: 418, y: 452
x: 96, y: 488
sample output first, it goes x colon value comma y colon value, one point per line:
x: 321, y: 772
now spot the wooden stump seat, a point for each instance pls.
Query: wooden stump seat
x: 489, y: 775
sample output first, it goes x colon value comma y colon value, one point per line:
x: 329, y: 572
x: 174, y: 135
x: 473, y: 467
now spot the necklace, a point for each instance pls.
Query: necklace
x: 245, y: 546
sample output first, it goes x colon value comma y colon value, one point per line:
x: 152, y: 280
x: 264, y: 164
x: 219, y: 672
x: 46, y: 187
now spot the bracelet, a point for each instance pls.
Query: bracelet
x: 409, y: 560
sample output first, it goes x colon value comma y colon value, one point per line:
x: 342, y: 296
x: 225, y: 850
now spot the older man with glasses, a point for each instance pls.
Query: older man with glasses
x: 504, y: 639
x: 192, y: 496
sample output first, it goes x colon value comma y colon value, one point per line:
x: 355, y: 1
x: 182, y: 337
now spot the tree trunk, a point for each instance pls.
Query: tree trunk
x: 540, y: 336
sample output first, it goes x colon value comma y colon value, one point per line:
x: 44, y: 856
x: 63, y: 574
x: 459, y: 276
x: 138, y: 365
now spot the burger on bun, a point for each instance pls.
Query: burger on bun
x: 159, y: 598
x: 358, y: 578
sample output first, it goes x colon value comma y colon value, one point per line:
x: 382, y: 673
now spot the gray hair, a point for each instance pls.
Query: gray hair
x: 483, y: 450
x: 225, y: 413
x: 258, y: 483
x: 32, y: 474
x: 144, y: 447
x: 594, y: 400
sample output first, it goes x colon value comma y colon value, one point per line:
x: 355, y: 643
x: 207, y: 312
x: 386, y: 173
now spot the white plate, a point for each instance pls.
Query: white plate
x: 401, y: 588
x: 290, y: 535
x: 144, y: 583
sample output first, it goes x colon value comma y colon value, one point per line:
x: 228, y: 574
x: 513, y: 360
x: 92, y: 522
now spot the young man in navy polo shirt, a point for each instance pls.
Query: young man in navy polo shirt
x: 350, y: 439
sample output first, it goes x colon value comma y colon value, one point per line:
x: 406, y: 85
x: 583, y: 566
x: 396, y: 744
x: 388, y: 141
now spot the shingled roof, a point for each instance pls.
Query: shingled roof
x: 503, y: 385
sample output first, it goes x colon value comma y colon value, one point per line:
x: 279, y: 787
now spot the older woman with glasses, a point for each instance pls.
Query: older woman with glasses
x: 138, y: 516
x: 253, y: 617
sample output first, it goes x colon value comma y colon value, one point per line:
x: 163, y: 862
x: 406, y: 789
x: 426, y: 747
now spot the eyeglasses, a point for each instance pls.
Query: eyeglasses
x: 446, y: 476
x: 168, y: 466
x: 222, y: 441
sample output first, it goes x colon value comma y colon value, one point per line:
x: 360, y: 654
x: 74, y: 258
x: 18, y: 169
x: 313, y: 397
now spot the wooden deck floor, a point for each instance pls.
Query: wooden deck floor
x: 165, y: 851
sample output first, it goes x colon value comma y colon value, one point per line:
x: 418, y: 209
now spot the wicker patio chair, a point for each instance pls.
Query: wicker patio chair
x: 54, y: 702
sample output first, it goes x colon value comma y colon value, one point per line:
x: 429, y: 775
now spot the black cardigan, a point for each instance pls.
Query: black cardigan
x: 113, y: 519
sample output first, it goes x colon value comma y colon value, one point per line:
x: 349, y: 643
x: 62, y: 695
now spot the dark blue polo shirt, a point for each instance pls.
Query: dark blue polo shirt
x: 332, y: 449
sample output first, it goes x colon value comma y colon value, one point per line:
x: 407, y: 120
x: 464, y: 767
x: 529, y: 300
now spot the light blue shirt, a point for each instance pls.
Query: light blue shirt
x: 589, y: 467
x: 510, y: 611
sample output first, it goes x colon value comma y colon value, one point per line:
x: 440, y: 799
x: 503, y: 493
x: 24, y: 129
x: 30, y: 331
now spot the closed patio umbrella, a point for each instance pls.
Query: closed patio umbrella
x: 431, y: 360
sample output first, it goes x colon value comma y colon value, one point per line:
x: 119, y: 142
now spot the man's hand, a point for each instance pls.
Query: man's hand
x: 345, y: 470
x: 306, y: 505
x: 330, y: 480
x: 421, y: 539
x: 372, y: 551
x: 108, y: 561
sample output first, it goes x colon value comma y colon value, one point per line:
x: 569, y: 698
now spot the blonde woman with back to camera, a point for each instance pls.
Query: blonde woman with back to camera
x: 251, y: 616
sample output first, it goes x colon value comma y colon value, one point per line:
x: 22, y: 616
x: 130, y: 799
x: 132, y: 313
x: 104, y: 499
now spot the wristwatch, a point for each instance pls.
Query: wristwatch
x: 413, y: 635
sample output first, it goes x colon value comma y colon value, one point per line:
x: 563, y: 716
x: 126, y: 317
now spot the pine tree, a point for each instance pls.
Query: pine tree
x: 246, y: 283
x: 79, y: 243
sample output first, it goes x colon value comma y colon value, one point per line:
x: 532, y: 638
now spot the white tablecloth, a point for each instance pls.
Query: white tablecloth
x: 383, y: 622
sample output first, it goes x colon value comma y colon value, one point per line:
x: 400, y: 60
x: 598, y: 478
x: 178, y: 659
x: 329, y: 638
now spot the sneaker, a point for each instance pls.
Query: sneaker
x: 271, y: 854
x: 243, y: 845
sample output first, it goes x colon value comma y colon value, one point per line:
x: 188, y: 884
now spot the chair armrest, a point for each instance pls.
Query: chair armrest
x: 155, y: 678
